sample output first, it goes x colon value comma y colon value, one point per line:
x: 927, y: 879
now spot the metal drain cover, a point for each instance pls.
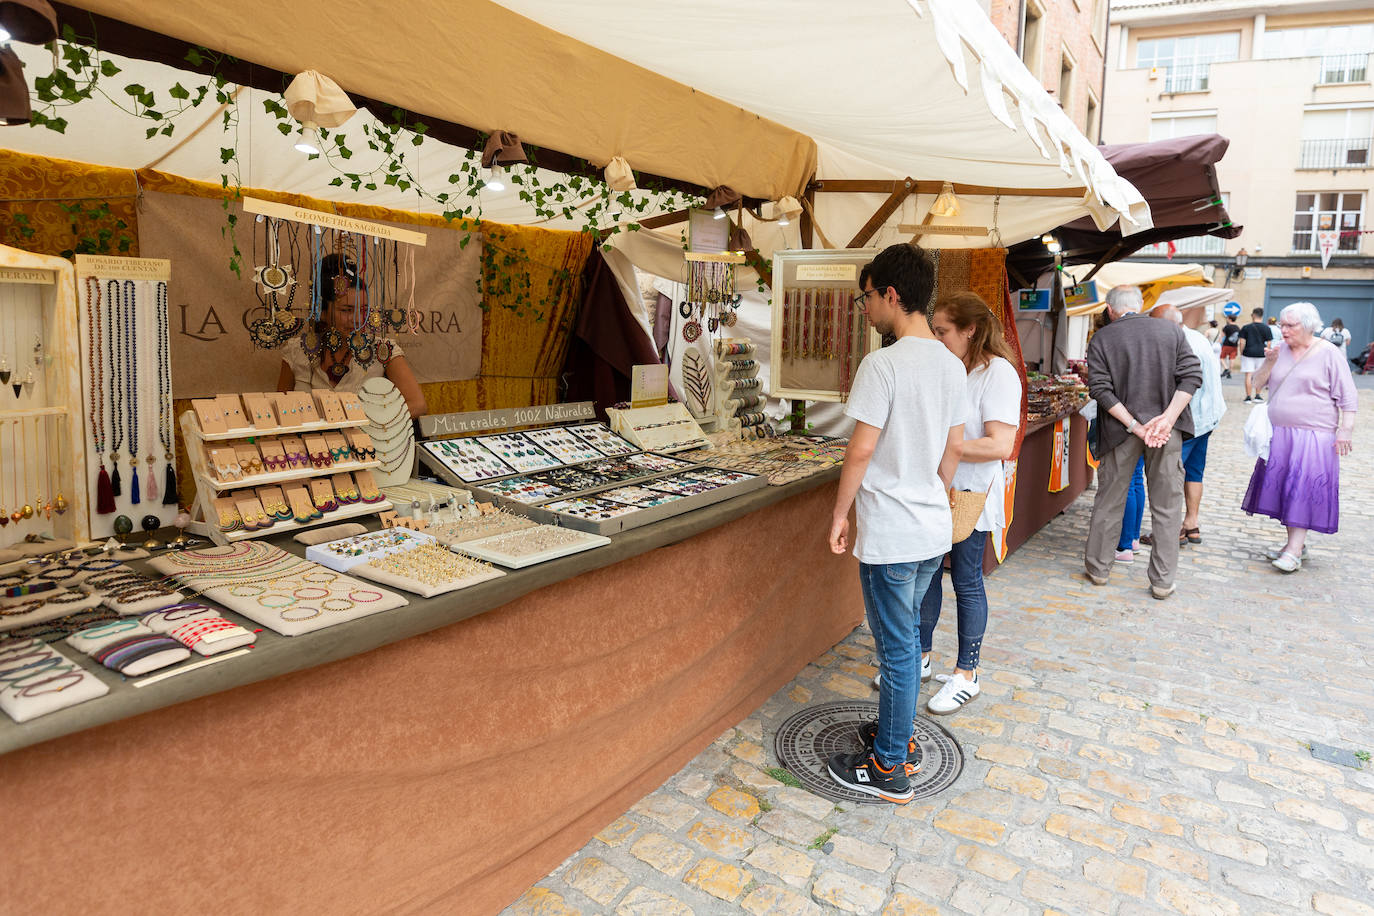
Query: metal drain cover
x: 808, y: 739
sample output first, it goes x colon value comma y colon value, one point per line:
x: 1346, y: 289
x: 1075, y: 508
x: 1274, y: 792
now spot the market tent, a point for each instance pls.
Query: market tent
x: 921, y: 88
x: 1152, y: 279
x: 1179, y: 180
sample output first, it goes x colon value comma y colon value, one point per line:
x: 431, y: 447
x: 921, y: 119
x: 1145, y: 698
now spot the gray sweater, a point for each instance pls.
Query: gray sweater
x: 1140, y: 362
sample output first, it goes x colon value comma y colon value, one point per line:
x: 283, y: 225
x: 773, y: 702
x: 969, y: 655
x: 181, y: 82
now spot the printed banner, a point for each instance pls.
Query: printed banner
x: 1059, y: 461
x: 210, y: 308
x: 1326, y: 243
x: 1093, y: 463
x: 999, y: 535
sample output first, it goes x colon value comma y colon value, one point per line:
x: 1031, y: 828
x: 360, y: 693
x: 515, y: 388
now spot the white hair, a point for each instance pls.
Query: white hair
x: 1305, y: 314
x: 1125, y: 299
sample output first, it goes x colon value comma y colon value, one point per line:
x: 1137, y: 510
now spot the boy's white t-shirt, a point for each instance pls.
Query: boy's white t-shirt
x: 994, y: 393
x: 914, y: 392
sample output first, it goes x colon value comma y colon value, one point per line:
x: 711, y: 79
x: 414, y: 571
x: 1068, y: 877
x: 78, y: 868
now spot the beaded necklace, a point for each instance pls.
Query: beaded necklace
x: 170, y: 496
x: 93, y: 335
x: 113, y: 329
x: 130, y: 317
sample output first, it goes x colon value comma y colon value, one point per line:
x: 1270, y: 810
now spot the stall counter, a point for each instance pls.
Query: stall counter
x: 441, y: 757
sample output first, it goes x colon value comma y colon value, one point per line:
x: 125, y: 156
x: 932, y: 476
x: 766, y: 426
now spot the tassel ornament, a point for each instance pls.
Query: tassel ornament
x: 150, y: 491
x: 115, y: 487
x: 170, y: 496
x: 104, y: 493
x: 133, y: 485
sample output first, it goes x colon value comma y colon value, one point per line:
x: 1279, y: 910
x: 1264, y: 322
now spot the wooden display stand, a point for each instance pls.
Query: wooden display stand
x: 209, y: 486
x: 38, y: 301
x: 739, y: 396
x: 819, y: 336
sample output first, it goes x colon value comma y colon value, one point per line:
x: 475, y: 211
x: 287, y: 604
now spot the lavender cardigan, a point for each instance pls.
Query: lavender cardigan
x: 1313, y: 391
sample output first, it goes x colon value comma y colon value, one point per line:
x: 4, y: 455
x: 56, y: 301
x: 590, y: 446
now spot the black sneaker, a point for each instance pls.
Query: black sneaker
x: 869, y: 732
x: 862, y: 773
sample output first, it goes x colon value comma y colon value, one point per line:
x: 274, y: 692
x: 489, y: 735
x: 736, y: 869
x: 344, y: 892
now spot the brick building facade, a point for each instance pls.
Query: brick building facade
x: 1063, y: 43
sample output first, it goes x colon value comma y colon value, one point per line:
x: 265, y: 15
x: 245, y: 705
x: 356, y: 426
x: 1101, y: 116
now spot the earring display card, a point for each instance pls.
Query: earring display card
x: 524, y: 489
x: 590, y: 508
x: 600, y: 437
x: 681, y: 484
x: 819, y: 334
x: 563, y: 445
x: 656, y: 463
x: 467, y: 458
x: 518, y: 451
x: 517, y: 549
x: 640, y: 497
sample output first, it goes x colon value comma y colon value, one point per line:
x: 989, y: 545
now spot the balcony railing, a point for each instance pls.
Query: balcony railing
x: 1348, y: 153
x: 1344, y: 68
x: 1186, y: 78
x: 1197, y: 244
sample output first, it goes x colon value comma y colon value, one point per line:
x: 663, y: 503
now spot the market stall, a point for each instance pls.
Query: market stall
x: 560, y: 602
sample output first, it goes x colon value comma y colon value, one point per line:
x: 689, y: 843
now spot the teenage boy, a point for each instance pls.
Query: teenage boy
x: 1230, y: 342
x: 908, y: 403
x: 1254, y: 338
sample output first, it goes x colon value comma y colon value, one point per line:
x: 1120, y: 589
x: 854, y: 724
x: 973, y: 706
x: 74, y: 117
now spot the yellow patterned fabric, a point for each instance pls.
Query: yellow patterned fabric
x: 44, y: 195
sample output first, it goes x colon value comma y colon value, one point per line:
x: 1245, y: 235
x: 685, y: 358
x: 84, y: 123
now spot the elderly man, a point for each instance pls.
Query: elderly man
x: 1207, y: 408
x: 1143, y: 374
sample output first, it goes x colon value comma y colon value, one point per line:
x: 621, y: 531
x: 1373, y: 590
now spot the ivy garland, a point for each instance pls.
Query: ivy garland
x: 81, y: 72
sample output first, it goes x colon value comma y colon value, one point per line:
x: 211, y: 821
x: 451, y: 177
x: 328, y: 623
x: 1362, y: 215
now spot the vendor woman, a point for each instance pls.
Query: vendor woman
x: 342, y: 294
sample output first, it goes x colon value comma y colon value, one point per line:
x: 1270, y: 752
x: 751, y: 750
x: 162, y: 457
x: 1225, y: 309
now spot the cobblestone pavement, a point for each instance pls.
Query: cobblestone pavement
x: 1127, y: 756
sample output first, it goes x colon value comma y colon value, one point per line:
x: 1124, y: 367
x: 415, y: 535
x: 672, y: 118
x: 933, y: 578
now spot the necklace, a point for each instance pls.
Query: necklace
x: 170, y: 496
x: 113, y: 316
x: 131, y: 392
x: 390, y: 422
x: 97, y: 368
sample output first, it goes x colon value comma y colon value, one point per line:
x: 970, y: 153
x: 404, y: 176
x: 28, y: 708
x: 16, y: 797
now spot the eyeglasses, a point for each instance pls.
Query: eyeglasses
x: 859, y: 299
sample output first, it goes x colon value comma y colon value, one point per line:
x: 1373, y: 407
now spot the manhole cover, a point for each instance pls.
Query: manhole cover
x: 808, y: 739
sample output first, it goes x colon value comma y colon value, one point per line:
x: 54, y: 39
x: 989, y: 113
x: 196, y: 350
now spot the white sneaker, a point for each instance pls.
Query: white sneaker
x: 957, y: 692
x: 925, y: 674
x: 1287, y: 563
x: 1125, y: 556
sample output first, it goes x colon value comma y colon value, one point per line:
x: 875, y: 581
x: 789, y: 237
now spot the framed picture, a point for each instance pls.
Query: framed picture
x: 819, y: 335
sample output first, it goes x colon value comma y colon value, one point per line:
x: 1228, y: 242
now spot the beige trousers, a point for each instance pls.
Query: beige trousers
x: 1163, y: 489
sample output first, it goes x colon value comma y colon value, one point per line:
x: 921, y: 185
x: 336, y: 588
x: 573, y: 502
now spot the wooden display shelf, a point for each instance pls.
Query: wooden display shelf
x: 262, y: 480
x: 252, y: 432
x: 284, y: 527
x: 208, y: 486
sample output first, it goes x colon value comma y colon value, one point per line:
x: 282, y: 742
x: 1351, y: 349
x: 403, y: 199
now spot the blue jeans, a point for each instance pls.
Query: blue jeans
x: 970, y: 599
x: 892, y: 596
x: 1135, y: 508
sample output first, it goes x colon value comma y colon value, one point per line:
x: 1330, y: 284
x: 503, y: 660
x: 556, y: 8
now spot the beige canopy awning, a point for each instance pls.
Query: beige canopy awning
x: 480, y: 65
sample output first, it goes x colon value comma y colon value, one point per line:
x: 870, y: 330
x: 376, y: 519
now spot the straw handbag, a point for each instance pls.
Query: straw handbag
x: 965, y: 507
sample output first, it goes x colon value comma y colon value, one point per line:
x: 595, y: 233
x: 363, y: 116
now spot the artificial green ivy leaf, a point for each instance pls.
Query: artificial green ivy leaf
x: 179, y: 92
x: 57, y: 124
x: 134, y: 89
x: 194, y: 58
x: 226, y: 154
x: 167, y: 129
x: 336, y: 182
x: 148, y: 134
x: 285, y: 129
x: 108, y: 68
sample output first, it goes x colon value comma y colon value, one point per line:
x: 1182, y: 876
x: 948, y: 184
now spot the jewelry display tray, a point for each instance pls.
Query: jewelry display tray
x: 607, y: 526
x: 208, y: 486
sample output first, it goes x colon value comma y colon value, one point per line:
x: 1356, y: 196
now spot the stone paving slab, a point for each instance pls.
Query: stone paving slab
x: 1128, y: 756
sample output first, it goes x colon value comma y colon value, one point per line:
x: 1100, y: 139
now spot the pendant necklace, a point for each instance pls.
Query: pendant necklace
x: 131, y: 382
x: 27, y: 511
x: 47, y: 463
x: 114, y: 328
x: 14, y: 453
x: 104, y: 497
x: 170, y: 495
x: 64, y: 446
x: 16, y: 515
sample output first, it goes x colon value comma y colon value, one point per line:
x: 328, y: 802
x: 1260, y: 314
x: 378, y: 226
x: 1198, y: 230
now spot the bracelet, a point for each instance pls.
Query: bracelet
x: 1134, y: 424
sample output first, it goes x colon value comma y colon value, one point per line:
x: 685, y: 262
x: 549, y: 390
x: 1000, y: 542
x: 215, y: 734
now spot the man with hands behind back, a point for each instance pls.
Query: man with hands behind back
x: 1143, y: 374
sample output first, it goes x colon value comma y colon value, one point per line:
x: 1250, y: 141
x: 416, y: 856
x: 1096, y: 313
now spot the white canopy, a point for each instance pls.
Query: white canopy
x: 887, y: 89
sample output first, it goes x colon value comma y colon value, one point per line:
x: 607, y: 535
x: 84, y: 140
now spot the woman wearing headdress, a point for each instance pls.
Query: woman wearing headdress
x: 322, y: 356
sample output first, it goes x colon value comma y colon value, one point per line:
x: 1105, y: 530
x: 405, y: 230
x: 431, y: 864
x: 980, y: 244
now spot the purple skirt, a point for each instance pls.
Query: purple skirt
x: 1300, y: 483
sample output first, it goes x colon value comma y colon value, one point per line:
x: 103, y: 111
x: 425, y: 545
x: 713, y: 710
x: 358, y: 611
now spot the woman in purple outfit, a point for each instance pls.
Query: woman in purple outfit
x: 1312, y: 405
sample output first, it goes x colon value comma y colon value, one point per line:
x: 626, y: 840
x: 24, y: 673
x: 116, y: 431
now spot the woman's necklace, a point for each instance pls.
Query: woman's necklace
x: 170, y: 495
x: 131, y: 391
x: 115, y: 329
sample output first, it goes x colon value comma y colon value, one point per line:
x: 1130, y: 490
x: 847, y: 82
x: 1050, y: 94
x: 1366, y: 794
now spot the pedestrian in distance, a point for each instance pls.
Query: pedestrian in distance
x: 1143, y: 374
x: 908, y: 407
x: 1312, y: 412
x: 972, y: 333
x: 1255, y: 340
x: 1230, y: 341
